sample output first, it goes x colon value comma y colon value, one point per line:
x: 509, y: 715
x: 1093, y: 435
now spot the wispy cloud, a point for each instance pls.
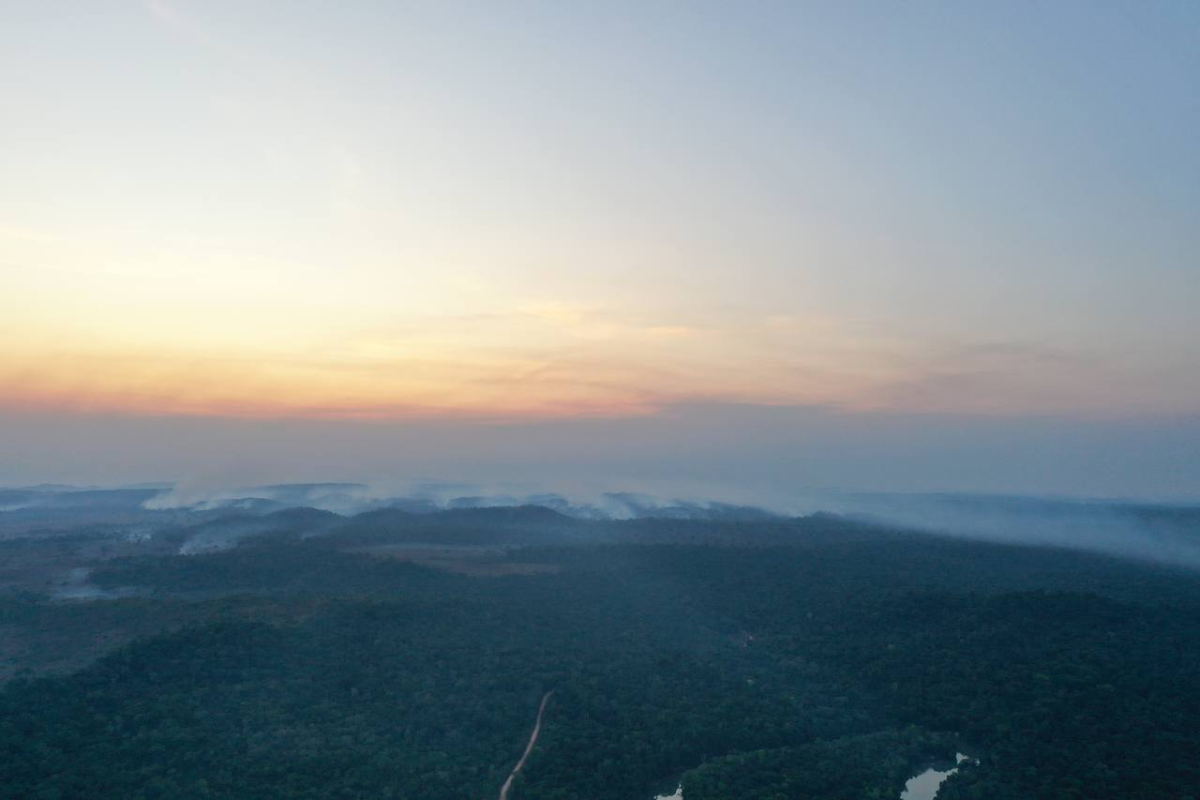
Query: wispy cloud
x: 553, y: 359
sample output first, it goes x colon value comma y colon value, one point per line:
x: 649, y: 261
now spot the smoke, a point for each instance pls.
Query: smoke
x: 1144, y: 530
x: 1138, y: 529
x: 76, y: 585
x: 217, y: 536
x: 576, y: 498
x: 203, y: 495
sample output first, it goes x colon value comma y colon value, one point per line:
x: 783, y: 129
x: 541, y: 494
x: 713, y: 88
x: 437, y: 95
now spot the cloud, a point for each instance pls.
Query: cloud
x: 553, y: 360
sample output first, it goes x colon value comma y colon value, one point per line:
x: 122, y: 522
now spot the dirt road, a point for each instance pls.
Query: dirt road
x: 537, y: 727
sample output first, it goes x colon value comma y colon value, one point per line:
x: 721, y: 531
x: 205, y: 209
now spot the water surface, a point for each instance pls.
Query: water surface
x: 925, y: 785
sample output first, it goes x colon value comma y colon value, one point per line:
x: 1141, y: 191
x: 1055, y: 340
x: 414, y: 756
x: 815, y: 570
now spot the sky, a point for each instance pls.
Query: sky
x: 887, y: 246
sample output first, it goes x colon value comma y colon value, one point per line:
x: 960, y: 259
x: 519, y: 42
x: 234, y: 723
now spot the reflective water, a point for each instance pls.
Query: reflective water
x: 925, y: 785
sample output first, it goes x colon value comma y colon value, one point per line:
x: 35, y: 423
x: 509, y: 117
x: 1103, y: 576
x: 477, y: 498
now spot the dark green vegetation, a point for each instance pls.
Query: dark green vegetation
x: 772, y: 659
x: 874, y: 765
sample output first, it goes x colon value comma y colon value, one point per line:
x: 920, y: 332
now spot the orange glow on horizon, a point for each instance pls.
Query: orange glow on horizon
x: 265, y: 390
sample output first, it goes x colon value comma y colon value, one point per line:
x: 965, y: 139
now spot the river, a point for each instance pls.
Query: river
x: 676, y: 795
x: 925, y: 785
x: 922, y: 786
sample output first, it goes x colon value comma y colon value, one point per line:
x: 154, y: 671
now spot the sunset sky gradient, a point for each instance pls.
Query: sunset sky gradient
x: 408, y: 216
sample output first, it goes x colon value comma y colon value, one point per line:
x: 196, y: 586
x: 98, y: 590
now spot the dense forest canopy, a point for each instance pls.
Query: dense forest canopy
x: 401, y: 654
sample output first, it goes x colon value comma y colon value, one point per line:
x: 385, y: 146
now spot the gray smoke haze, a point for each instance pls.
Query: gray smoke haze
x: 1141, y: 529
x: 924, y: 471
x: 221, y: 516
x: 1163, y: 533
x: 707, y: 450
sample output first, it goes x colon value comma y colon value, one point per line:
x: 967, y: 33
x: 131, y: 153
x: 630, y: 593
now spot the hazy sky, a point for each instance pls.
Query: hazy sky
x: 889, y: 233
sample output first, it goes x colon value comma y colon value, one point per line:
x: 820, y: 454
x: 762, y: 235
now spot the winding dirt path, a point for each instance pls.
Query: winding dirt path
x: 537, y: 728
